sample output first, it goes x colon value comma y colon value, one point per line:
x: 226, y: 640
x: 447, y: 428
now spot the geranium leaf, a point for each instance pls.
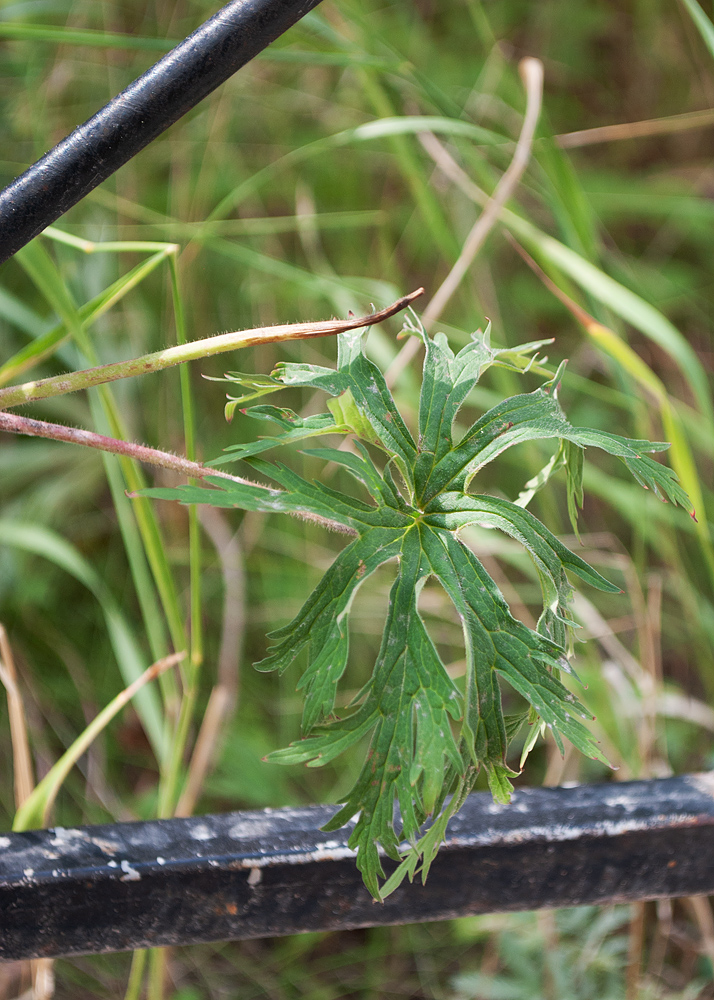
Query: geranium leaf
x: 296, y: 429
x: 427, y: 738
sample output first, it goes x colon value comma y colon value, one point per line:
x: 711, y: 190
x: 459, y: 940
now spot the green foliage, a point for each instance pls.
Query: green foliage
x: 573, y: 954
x: 427, y: 738
x: 301, y: 192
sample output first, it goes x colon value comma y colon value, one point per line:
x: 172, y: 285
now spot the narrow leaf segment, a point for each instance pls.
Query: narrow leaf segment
x: 428, y: 738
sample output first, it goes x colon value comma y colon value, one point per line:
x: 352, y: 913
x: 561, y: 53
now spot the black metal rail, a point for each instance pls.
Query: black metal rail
x: 256, y: 874
x: 139, y: 114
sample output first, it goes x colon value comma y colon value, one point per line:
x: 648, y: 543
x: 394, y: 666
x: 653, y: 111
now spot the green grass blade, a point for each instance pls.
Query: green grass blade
x: 394, y: 128
x: 702, y: 23
x: 132, y: 663
x: 82, y: 36
x: 34, y: 811
x: 681, y: 453
x: 46, y: 342
x: 624, y: 302
x: 41, y: 268
x: 110, y: 246
x: 17, y: 313
x: 152, y: 618
x: 189, y: 425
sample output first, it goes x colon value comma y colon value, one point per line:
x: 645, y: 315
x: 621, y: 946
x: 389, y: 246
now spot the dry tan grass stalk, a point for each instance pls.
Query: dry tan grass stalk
x: 41, y: 969
x: 531, y: 71
x: 224, y: 696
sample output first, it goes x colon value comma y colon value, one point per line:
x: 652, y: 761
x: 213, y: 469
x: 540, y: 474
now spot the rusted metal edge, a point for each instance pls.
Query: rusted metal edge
x: 255, y: 874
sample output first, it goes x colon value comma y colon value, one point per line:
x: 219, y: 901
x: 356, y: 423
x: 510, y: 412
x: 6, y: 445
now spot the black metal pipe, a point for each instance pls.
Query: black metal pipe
x: 175, y: 84
x: 257, y: 874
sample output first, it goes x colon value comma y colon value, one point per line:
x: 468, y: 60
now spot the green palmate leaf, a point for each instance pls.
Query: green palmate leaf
x: 551, y: 557
x: 569, y: 457
x: 365, y: 400
x: 297, y: 429
x: 446, y: 382
x: 255, y: 386
x: 322, y: 621
x: 428, y: 739
x: 408, y: 707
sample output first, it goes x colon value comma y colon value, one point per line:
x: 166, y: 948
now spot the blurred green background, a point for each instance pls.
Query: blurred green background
x: 286, y: 208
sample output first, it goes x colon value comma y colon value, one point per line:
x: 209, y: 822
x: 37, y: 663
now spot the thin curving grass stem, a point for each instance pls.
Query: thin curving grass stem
x: 636, y: 130
x: 531, y: 71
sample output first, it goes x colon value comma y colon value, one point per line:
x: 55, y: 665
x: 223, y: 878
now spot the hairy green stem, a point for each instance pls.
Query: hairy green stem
x: 58, y: 385
x: 13, y: 424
